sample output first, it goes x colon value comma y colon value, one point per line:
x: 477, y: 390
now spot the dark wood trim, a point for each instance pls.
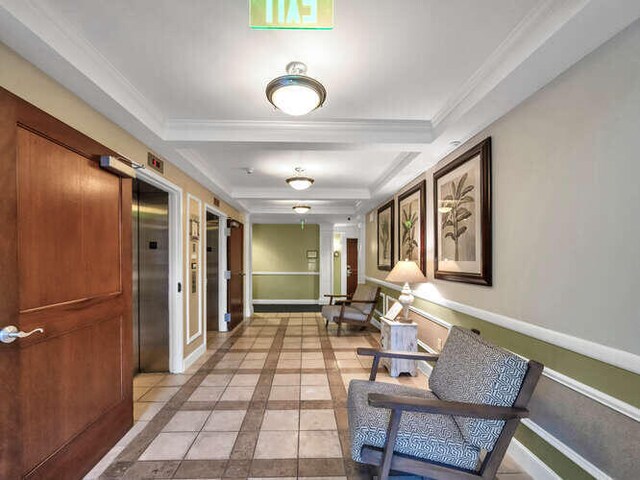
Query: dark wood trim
x: 422, y: 188
x: 10, y: 416
x: 390, y: 204
x: 485, y: 277
x: 109, y: 427
x: 378, y: 354
x: 441, y: 407
x: 78, y: 454
x: 364, y: 323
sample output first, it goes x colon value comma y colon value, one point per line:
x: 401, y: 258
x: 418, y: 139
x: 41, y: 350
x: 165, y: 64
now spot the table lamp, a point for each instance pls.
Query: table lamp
x: 406, y: 271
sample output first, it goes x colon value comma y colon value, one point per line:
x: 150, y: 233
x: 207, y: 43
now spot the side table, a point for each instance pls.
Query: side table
x: 399, y: 336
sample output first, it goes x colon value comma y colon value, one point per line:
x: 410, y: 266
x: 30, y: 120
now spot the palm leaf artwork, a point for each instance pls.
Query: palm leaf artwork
x: 385, y: 237
x: 408, y: 222
x: 456, y: 212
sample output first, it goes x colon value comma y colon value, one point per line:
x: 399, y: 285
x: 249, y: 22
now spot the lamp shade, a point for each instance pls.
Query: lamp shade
x: 406, y: 271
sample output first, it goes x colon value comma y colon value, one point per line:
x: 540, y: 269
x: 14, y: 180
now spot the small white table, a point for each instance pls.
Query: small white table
x: 399, y: 336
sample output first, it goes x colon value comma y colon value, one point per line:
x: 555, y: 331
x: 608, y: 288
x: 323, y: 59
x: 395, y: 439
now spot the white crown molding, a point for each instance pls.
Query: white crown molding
x: 288, y: 210
x: 395, y: 132
x: 56, y: 32
x: 199, y: 163
x: 287, y: 193
x: 286, y: 273
x: 546, y: 18
x: 310, y: 301
x: 382, y: 184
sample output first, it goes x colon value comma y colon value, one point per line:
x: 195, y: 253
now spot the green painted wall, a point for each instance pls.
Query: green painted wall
x: 614, y: 381
x: 283, y: 248
x: 337, y: 280
x: 280, y: 287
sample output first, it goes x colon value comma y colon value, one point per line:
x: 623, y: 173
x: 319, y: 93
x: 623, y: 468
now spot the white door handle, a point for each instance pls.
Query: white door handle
x: 11, y: 334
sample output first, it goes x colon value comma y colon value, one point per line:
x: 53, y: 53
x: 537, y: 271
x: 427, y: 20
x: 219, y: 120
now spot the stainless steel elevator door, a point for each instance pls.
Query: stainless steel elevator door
x: 150, y: 278
x: 213, y: 250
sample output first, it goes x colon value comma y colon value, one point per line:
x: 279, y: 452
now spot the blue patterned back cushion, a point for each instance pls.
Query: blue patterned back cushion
x: 472, y: 370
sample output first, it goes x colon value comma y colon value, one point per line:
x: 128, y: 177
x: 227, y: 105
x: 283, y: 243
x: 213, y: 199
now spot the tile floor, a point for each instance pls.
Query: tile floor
x: 268, y: 400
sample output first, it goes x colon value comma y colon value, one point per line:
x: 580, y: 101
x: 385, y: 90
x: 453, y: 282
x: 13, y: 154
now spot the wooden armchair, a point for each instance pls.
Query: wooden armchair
x: 478, y: 395
x: 356, y: 310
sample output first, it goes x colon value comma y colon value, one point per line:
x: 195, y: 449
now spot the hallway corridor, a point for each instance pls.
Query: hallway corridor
x: 268, y: 400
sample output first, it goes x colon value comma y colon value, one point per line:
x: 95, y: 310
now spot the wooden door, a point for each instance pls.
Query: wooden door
x: 352, y: 265
x: 65, y: 267
x: 235, y: 264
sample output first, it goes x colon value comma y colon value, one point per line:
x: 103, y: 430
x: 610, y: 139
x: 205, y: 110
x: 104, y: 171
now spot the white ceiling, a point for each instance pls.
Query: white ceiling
x: 404, y: 79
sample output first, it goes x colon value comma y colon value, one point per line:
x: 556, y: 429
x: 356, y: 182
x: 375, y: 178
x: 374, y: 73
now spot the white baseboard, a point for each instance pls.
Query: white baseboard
x: 309, y: 301
x: 532, y: 465
x: 193, y: 356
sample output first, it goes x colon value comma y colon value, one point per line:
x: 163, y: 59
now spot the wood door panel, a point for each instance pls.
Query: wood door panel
x: 84, y: 382
x: 69, y: 225
x: 235, y: 265
x: 65, y: 265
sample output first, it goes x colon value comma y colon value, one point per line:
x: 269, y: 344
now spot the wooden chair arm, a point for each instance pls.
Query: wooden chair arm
x: 332, y: 297
x: 378, y: 354
x: 441, y: 407
x: 374, y: 352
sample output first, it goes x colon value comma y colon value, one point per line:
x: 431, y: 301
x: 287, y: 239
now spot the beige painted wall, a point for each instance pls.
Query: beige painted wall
x: 566, y: 191
x: 27, y: 82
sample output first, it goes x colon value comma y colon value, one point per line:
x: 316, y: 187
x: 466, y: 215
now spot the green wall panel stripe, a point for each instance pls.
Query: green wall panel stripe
x: 551, y: 456
x: 617, y: 382
x: 614, y: 381
x: 337, y: 278
x: 285, y: 287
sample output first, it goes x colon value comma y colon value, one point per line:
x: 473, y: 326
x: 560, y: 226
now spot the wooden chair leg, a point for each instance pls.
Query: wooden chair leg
x: 392, y: 433
x: 339, y: 326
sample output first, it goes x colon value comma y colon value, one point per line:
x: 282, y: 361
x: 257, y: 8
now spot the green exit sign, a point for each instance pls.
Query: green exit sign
x: 292, y: 14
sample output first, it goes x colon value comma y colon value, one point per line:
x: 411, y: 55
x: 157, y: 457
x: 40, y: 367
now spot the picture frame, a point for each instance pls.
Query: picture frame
x: 386, y: 235
x: 411, y: 225
x: 194, y: 228
x: 394, y: 311
x: 462, y: 217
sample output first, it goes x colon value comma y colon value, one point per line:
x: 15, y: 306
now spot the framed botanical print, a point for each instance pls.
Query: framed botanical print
x: 411, y: 225
x: 386, y: 215
x: 462, y: 214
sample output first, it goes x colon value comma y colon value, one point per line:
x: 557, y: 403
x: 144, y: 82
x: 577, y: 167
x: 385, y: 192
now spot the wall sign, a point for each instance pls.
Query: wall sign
x: 155, y: 163
x: 291, y: 14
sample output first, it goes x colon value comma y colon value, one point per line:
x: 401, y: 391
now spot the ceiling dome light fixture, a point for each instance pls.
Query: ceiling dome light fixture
x: 301, y: 209
x: 295, y: 93
x: 299, y: 181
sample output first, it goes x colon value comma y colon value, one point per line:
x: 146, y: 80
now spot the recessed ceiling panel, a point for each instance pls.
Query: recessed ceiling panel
x: 385, y: 59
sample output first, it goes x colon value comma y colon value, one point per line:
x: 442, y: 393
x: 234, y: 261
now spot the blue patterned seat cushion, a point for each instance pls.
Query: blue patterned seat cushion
x: 431, y: 437
x: 472, y: 370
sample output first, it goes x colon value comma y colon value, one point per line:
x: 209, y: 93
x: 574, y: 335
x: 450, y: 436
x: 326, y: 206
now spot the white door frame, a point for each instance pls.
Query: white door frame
x: 222, y: 267
x: 343, y: 264
x: 176, y: 302
x: 247, y: 246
